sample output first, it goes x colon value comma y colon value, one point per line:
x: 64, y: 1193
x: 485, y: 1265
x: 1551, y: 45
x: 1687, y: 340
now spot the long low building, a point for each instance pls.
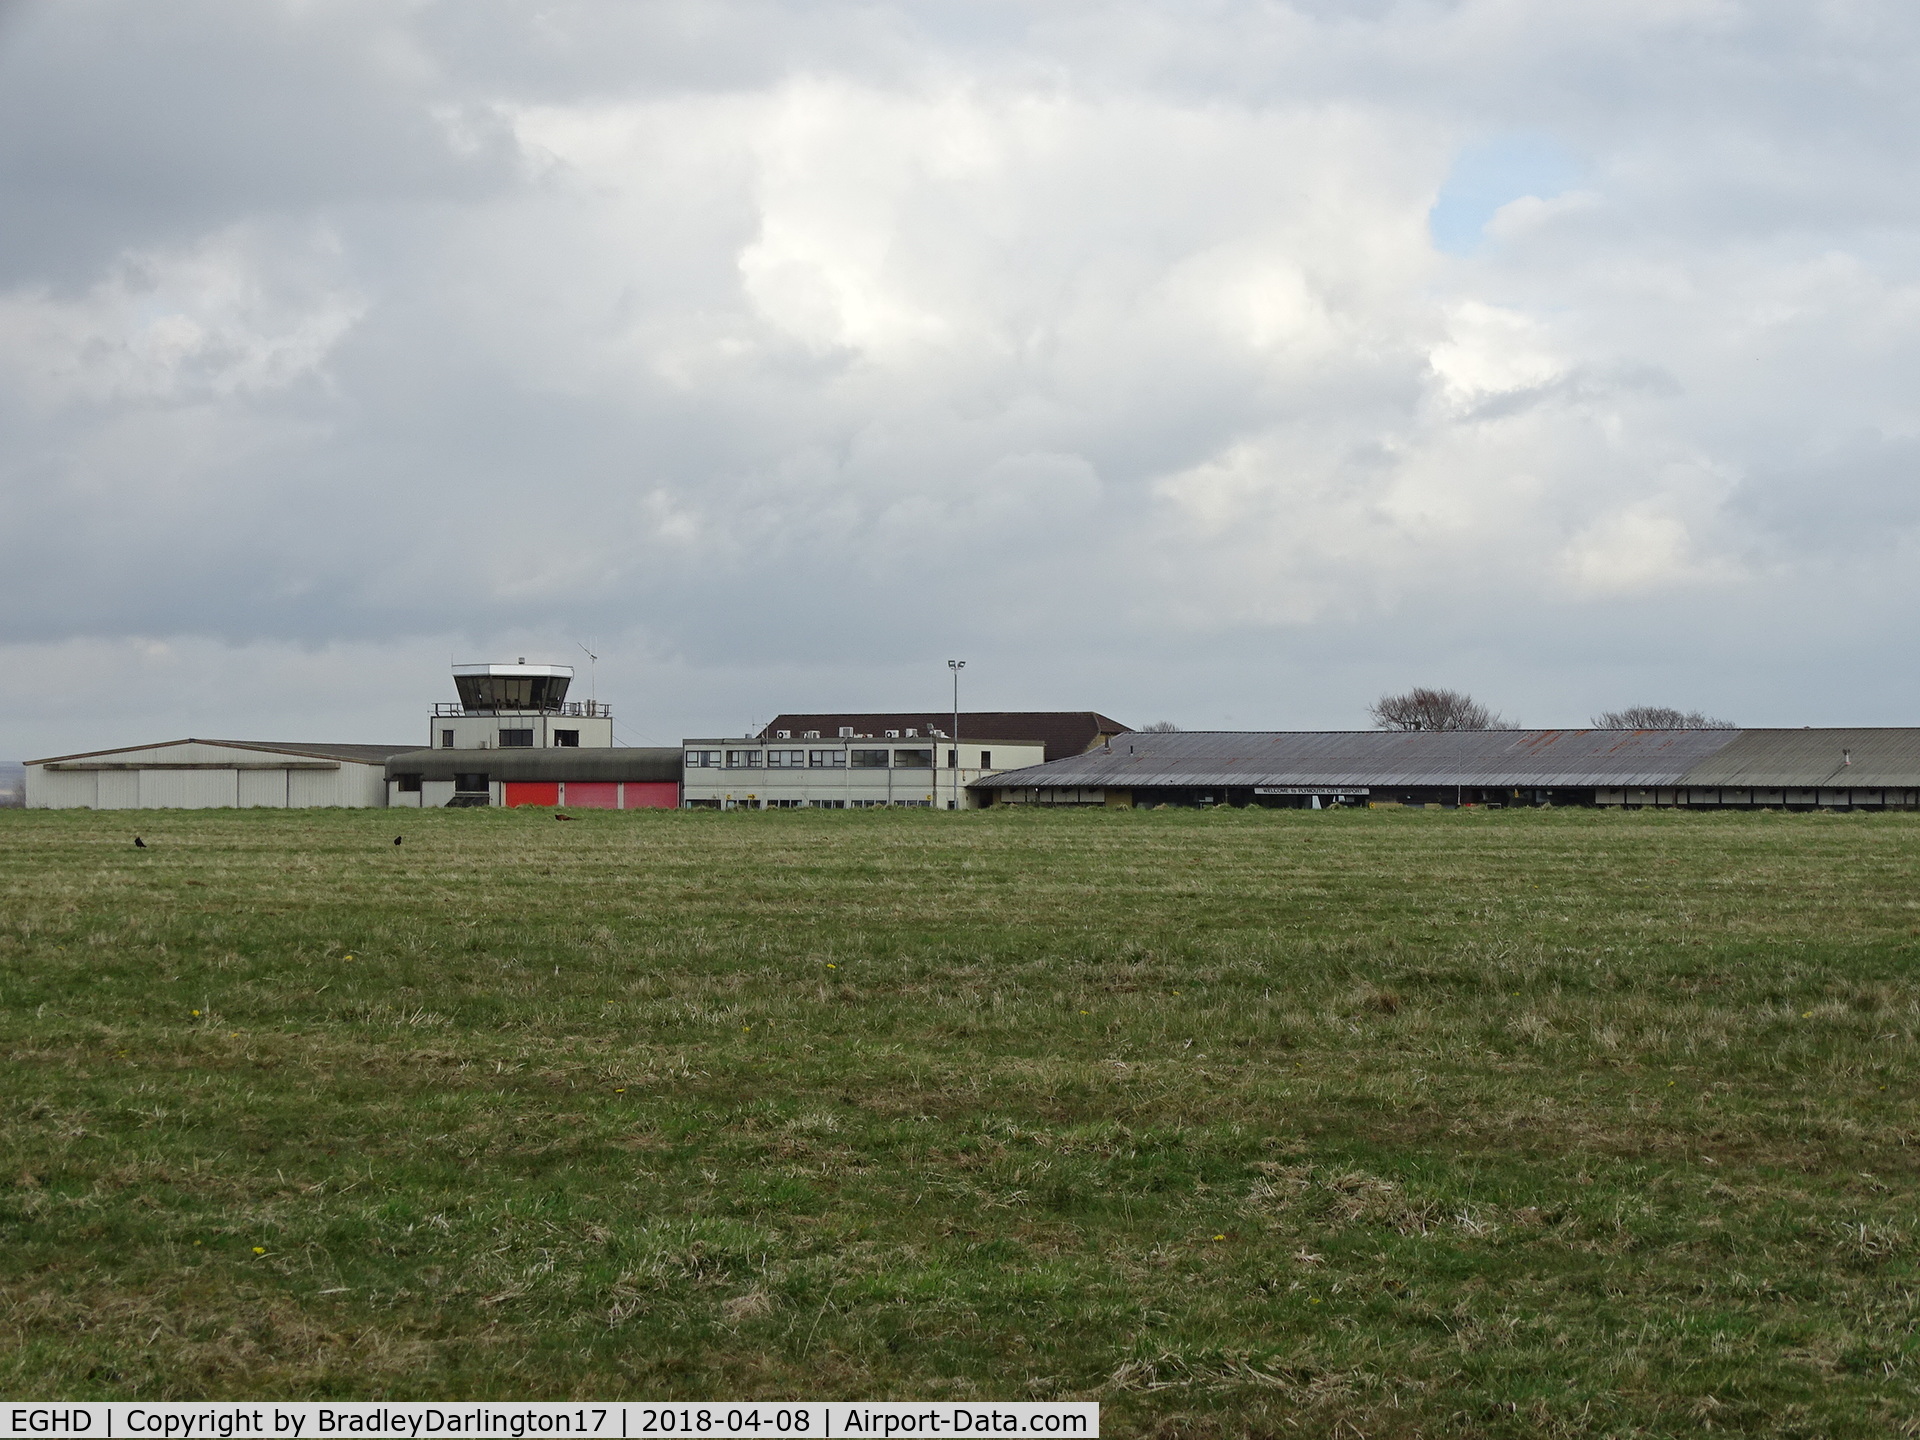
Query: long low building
x: 199, y: 774
x: 612, y: 778
x: 1843, y: 769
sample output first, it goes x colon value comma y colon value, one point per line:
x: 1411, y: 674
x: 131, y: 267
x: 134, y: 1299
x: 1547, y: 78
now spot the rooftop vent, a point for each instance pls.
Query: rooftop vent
x: 893, y: 734
x: 911, y: 732
x: 783, y: 734
x: 846, y: 732
x: 811, y: 735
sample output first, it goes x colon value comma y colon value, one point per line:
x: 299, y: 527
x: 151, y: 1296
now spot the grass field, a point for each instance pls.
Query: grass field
x: 1243, y: 1123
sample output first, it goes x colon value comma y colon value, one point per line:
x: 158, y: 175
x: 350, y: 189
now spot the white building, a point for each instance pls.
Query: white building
x: 205, y: 774
x: 847, y: 772
x: 518, y: 707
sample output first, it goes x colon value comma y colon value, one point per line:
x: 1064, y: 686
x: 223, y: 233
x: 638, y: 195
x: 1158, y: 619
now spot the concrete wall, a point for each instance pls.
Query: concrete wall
x: 482, y: 732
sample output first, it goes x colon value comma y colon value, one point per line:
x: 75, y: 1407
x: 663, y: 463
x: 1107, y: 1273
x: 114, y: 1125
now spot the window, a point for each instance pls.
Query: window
x: 869, y: 759
x: 568, y: 738
x: 913, y: 804
x: 446, y: 739
x: 516, y: 739
x: 913, y: 759
x: 868, y: 804
x: 827, y: 759
x: 986, y: 758
x: 828, y: 804
x: 953, y: 759
x: 786, y: 759
x: 698, y: 758
x: 784, y: 804
x: 470, y: 784
x: 408, y: 784
x: 743, y: 759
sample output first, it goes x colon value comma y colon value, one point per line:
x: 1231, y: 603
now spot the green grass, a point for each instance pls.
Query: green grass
x: 1243, y: 1123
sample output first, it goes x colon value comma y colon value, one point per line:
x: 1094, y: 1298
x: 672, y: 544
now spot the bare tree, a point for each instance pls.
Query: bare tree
x: 1658, y: 717
x: 1160, y: 727
x: 1424, y: 709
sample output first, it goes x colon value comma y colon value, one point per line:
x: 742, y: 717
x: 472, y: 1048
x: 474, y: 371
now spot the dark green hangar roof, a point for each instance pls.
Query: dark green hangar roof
x: 560, y: 762
x: 1573, y: 759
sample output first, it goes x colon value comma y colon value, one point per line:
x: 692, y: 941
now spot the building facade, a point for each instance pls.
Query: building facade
x: 607, y: 778
x: 1059, y: 732
x: 849, y: 771
x: 518, y: 707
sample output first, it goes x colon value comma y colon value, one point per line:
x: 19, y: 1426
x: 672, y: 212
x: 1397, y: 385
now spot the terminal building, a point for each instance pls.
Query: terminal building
x: 904, y: 766
x: 1059, y: 732
x: 1807, y: 769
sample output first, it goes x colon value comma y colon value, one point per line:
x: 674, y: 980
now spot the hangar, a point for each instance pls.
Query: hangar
x: 1842, y: 769
x: 200, y: 774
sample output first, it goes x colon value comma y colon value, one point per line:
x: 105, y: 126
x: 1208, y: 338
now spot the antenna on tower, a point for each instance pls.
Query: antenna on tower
x: 593, y: 675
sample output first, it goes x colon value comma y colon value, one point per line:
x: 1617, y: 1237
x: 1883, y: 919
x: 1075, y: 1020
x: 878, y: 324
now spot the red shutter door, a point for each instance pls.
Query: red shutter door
x: 533, y: 792
x: 593, y: 794
x: 652, y: 795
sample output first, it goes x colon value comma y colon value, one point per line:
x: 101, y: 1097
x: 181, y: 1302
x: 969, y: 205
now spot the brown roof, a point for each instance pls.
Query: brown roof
x: 1063, y: 732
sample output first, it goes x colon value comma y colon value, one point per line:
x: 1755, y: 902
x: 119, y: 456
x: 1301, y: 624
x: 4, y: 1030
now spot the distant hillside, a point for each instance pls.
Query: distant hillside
x: 13, y: 783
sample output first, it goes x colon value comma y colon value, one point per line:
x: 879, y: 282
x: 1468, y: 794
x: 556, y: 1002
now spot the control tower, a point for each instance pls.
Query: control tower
x: 518, y: 706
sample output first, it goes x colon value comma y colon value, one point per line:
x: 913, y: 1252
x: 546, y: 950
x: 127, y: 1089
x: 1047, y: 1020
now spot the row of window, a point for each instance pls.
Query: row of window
x: 520, y: 739
x: 822, y: 759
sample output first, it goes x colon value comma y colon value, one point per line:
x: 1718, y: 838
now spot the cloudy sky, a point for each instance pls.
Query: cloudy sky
x: 1225, y: 363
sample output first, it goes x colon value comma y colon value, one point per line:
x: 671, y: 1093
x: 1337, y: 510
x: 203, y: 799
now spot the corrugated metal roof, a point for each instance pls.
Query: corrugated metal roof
x: 1798, y: 759
x: 559, y: 762
x: 1383, y: 758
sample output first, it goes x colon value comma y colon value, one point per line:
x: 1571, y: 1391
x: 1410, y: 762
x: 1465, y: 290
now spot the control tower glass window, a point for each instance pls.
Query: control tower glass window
x: 488, y: 693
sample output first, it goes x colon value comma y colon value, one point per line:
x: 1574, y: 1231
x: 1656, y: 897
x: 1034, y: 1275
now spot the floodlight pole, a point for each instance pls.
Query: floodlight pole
x: 956, y: 666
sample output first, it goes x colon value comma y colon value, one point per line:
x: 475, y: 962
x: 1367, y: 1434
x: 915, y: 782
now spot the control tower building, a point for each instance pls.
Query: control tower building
x: 519, y: 707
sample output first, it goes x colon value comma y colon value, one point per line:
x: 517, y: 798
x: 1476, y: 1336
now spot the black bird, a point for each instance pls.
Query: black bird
x: 558, y: 816
x: 398, y: 838
x: 138, y: 843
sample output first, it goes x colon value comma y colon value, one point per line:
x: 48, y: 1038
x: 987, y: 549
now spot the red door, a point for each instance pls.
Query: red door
x: 533, y: 792
x: 593, y: 794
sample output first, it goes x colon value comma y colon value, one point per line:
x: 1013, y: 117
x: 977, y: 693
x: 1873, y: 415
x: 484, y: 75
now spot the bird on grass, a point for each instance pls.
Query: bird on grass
x: 558, y: 816
x: 138, y: 843
x: 398, y: 838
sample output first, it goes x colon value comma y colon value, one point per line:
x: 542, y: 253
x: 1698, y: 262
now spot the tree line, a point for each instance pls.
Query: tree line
x: 1422, y: 708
